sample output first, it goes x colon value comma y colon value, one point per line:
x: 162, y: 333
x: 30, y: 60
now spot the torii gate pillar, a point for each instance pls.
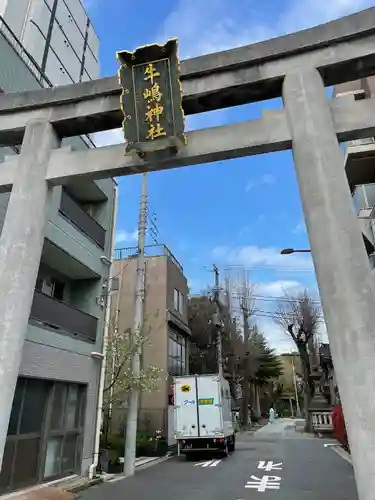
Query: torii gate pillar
x: 341, y: 264
x: 20, y: 252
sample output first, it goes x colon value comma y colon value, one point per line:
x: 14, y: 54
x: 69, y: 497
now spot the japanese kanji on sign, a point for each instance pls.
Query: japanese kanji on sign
x: 151, y: 99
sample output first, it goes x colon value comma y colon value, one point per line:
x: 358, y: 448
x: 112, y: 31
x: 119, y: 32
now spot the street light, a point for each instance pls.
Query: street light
x: 288, y: 251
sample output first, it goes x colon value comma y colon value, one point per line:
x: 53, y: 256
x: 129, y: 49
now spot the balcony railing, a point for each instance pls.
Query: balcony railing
x: 80, y: 218
x: 364, y: 197
x: 61, y: 316
x: 150, y: 251
x: 361, y: 142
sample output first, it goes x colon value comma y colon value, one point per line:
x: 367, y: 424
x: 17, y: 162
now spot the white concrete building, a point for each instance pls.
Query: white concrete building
x: 53, y: 423
x: 57, y: 34
x: 359, y: 166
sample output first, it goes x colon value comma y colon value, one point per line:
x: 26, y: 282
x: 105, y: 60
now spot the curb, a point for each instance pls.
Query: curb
x: 342, y: 453
x: 76, y: 488
x: 109, y: 478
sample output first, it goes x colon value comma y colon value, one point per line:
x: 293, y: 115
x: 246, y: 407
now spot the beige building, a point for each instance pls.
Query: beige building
x: 166, y: 323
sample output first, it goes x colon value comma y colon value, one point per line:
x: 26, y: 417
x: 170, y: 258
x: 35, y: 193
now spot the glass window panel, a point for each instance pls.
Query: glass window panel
x: 72, y: 407
x: 52, y: 466
x: 58, y: 407
x: 69, y: 453
x: 16, y: 407
x: 181, y: 304
x: 33, y: 406
x: 82, y: 407
x: 6, y: 470
x: 170, y: 347
x: 175, y: 299
x: 26, y: 462
x: 183, y: 359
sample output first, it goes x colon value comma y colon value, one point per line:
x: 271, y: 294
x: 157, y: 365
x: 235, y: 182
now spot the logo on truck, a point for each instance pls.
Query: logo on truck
x: 206, y: 402
x: 185, y: 388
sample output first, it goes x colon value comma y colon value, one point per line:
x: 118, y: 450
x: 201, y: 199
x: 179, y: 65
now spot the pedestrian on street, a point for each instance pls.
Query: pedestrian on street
x: 271, y: 416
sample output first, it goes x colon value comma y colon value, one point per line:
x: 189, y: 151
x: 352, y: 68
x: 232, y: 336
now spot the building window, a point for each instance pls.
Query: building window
x: 44, y: 433
x: 176, y: 354
x: 179, y: 301
x: 51, y: 286
x: 64, y: 435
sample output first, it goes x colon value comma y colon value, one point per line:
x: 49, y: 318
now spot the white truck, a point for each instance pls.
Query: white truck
x: 203, y: 414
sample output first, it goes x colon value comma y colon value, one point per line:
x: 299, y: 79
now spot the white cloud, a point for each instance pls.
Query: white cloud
x: 300, y: 227
x: 277, y: 338
x: 108, y: 137
x: 279, y: 288
x: 220, y: 27
x: 266, y: 179
x: 254, y: 256
x: 126, y: 237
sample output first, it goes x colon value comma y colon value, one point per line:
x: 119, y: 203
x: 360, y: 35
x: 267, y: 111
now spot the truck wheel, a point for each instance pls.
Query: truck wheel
x: 226, y: 449
x: 233, y: 444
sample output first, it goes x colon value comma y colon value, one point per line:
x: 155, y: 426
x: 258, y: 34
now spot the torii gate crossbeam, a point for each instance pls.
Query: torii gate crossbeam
x: 298, y: 66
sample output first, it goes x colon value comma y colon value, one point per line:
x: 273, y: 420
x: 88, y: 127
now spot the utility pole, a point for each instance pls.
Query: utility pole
x: 133, y: 402
x: 217, y: 320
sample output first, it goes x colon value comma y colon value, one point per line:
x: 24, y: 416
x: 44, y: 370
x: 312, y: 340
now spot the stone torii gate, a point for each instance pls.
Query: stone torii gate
x: 296, y: 67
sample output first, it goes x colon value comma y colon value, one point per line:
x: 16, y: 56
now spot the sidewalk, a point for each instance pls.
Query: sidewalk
x: 65, y: 489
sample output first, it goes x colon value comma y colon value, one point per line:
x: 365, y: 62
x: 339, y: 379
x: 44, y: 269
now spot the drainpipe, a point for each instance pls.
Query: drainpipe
x: 94, y: 465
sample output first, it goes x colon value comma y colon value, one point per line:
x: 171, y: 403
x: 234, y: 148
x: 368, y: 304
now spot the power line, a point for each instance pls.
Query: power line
x: 269, y: 267
x: 270, y: 298
x: 271, y: 315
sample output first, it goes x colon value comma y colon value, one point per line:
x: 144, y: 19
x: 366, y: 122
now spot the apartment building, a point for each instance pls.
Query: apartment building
x: 58, y: 37
x: 166, y: 323
x: 360, y: 166
x: 51, y: 432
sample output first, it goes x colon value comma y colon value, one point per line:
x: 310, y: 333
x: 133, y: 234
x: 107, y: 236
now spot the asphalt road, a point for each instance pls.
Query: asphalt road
x: 306, y: 470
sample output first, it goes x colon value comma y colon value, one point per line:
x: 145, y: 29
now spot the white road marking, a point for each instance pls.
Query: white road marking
x: 208, y: 463
x: 268, y: 466
x: 264, y: 483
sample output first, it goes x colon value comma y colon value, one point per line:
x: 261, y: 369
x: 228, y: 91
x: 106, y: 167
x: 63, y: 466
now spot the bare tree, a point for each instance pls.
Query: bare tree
x: 299, y: 317
x: 247, y: 306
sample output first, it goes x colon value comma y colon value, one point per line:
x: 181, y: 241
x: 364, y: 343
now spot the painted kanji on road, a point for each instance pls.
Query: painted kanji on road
x: 264, y: 483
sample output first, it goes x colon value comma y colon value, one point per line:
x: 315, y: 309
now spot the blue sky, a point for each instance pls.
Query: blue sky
x: 238, y: 213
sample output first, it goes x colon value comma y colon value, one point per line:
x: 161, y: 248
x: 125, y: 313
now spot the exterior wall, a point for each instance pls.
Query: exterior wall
x: 287, y: 377
x: 365, y: 84
x: 176, y: 280
x: 68, y: 365
x: 359, y: 165
x: 54, y: 356
x: 163, y: 275
x: 58, y: 35
x: 72, y: 56
x: 155, y: 317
